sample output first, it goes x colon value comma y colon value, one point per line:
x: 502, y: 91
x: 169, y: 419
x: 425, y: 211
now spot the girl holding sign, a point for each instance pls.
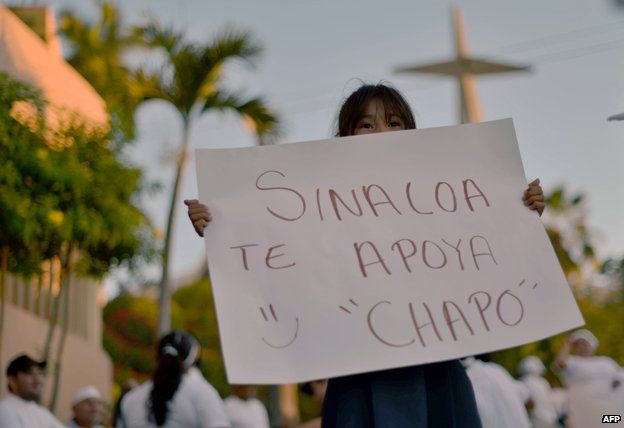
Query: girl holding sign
x: 438, y: 394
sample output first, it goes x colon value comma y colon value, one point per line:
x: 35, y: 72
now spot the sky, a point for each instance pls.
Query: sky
x: 316, y: 52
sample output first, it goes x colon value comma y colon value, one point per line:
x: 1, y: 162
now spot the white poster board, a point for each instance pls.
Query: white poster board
x: 370, y: 252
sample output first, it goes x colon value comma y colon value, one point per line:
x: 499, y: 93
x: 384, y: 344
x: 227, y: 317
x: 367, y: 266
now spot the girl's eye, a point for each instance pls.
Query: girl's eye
x: 366, y: 125
x: 395, y: 123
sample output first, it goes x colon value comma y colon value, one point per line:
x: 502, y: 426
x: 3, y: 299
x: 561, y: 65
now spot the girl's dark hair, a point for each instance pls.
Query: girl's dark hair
x: 175, y: 353
x: 354, y: 106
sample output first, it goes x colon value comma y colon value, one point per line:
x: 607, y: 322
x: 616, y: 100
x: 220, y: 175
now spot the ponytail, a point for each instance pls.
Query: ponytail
x: 176, y: 352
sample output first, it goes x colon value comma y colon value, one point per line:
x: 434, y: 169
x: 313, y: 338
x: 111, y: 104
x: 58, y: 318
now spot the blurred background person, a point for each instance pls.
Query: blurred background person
x: 87, y: 408
x: 501, y: 400
x: 178, y: 396
x: 316, y: 389
x: 244, y: 409
x: 544, y: 412
x: 560, y: 399
x: 126, y: 387
x: 19, y: 409
x: 594, y: 383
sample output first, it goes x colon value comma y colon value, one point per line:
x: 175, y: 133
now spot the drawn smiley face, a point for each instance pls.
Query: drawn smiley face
x: 281, y: 344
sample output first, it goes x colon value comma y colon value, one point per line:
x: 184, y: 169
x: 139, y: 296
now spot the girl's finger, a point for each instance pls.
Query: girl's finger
x: 198, y: 208
x: 201, y: 223
x: 532, y: 199
x: 529, y: 199
x: 537, y: 206
x: 189, y: 202
x: 203, y: 213
x: 200, y: 216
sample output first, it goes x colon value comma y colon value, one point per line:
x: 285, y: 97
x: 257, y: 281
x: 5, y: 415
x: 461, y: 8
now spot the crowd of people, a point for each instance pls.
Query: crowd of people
x: 20, y: 407
x: 591, y: 388
x: 179, y: 396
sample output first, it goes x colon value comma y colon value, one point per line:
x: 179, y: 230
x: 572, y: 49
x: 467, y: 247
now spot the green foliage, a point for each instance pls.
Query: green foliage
x: 97, y: 51
x: 199, y: 313
x: 113, y: 230
x: 129, y: 335
x: 27, y: 214
x: 133, y: 318
x: 604, y: 315
x: 131, y: 358
x: 65, y: 185
x: 309, y: 408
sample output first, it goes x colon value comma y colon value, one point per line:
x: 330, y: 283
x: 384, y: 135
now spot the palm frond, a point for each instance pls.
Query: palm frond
x: 257, y: 115
x: 155, y: 35
x: 109, y: 20
x: 231, y: 43
x: 150, y: 85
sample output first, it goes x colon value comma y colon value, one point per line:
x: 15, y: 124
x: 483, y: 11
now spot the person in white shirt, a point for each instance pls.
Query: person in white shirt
x: 560, y: 398
x: 594, y: 383
x: 19, y: 409
x: 87, y: 408
x: 178, y: 396
x: 500, y: 398
x: 244, y: 409
x: 544, y: 413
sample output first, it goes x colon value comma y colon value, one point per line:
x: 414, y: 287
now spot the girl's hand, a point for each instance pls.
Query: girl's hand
x: 199, y: 214
x: 534, y: 197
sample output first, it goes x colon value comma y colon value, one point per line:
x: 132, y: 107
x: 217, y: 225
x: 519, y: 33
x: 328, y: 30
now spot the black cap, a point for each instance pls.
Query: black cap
x: 23, y: 363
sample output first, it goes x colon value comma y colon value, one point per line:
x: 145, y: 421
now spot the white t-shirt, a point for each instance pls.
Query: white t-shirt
x: 18, y: 413
x: 589, y: 381
x: 72, y: 424
x: 594, y: 369
x: 500, y: 398
x: 249, y: 413
x: 195, y: 404
x: 545, y: 406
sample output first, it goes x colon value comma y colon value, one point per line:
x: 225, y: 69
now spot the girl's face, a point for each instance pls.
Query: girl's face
x: 375, y: 120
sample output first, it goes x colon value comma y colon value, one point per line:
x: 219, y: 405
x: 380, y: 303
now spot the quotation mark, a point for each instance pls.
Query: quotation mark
x: 353, y: 303
x: 264, y: 315
x: 523, y: 281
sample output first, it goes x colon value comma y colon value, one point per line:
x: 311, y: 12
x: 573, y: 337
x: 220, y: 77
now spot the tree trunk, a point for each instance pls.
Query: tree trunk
x: 39, y: 292
x: 66, y: 272
x: 49, y: 286
x: 4, y: 256
x: 55, y: 310
x: 164, y: 311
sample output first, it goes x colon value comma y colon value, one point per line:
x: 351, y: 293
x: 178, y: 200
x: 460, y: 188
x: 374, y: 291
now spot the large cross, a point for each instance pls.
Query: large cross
x: 464, y: 68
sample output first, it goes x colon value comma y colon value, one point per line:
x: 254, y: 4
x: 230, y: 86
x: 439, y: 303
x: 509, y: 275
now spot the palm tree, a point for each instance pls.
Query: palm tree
x: 191, y: 83
x: 97, y: 52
